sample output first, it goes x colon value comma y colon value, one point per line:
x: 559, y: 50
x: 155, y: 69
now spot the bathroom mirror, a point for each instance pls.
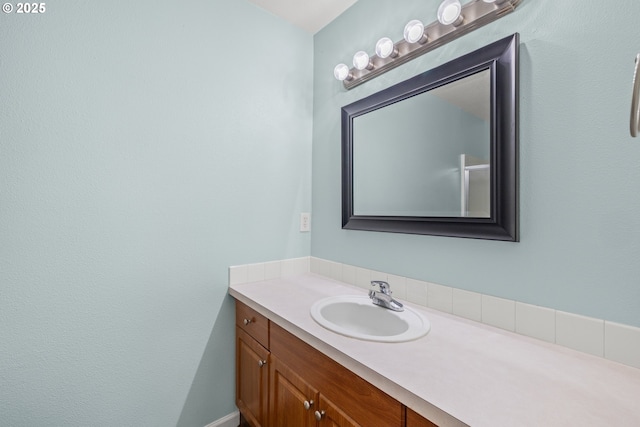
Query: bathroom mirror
x: 437, y: 154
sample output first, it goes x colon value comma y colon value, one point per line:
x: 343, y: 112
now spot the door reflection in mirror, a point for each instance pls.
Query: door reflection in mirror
x: 475, y: 187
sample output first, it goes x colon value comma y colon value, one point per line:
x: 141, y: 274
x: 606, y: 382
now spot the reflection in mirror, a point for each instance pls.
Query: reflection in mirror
x: 420, y: 173
x: 475, y: 187
x: 437, y: 154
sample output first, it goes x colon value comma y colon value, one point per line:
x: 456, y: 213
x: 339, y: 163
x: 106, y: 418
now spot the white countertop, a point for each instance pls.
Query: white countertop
x: 462, y: 372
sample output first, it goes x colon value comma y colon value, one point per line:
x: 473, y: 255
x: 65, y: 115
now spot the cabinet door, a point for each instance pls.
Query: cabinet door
x: 293, y: 401
x: 330, y: 415
x: 364, y: 403
x: 252, y: 379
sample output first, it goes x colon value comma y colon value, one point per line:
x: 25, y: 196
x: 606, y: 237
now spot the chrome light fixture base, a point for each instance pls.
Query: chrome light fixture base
x: 476, y: 13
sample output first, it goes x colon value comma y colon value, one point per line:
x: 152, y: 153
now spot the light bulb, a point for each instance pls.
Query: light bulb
x: 414, y: 32
x: 449, y: 12
x: 361, y: 60
x: 385, y: 48
x: 342, y: 72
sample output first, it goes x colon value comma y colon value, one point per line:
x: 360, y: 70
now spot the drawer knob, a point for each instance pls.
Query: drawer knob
x: 261, y: 363
x: 308, y: 404
x: 319, y: 415
x: 247, y: 321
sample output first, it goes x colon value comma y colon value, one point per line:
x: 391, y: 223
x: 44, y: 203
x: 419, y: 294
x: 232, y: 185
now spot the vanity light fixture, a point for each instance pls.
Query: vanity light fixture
x: 453, y: 20
x: 386, y: 48
x: 414, y: 32
x: 450, y: 13
x: 342, y: 72
x: 361, y: 61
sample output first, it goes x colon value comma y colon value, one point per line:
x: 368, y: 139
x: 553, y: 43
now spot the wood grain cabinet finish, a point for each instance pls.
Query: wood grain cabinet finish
x: 343, y: 399
x: 331, y: 415
x: 253, y: 323
x: 252, y: 379
x: 282, y: 381
x: 252, y: 366
x: 293, y: 401
x: 416, y: 420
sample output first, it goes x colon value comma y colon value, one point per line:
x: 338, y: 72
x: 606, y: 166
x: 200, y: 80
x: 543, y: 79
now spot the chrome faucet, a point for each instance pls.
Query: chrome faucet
x: 383, y: 296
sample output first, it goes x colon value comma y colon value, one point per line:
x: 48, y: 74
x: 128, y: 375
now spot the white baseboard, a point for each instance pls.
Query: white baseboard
x: 231, y: 420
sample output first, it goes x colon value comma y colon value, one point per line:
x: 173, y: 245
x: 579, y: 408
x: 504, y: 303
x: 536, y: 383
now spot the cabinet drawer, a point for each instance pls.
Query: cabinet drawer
x: 253, y: 323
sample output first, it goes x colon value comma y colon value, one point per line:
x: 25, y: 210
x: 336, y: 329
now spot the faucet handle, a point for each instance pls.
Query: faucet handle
x: 385, y: 288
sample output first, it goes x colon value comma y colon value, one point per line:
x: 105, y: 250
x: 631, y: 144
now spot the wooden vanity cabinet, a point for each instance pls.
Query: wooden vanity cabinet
x: 300, y: 374
x: 281, y: 381
x: 252, y: 366
x: 295, y: 403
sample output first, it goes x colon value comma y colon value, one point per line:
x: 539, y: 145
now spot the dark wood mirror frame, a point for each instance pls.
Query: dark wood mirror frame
x: 501, y: 58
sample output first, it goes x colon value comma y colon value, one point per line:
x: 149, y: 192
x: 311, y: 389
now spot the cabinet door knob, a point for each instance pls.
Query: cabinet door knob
x: 319, y: 415
x: 246, y: 321
x: 261, y: 363
x: 308, y: 404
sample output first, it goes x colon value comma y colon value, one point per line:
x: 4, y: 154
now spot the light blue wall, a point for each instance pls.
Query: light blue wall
x: 407, y: 157
x: 579, y: 168
x: 145, y: 146
x: 139, y: 158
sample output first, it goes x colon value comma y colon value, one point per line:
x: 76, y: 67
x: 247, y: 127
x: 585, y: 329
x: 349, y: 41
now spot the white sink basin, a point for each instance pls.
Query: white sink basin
x: 357, y: 317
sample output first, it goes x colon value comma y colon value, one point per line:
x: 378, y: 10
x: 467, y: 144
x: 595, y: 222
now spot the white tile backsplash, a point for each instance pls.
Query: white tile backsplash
x: 378, y: 275
x: 349, y: 274
x: 580, y: 333
x: 499, y: 312
x: 417, y: 292
x: 272, y: 270
x: 398, y: 286
x: 536, y: 322
x: 440, y: 297
x: 622, y: 343
x: 315, y: 265
x: 363, y: 278
x: 467, y: 304
x: 326, y: 268
x: 614, y: 341
x: 255, y: 272
x: 238, y: 274
x: 294, y: 266
x: 334, y: 270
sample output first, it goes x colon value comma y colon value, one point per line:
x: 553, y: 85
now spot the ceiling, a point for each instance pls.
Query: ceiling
x: 310, y: 15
